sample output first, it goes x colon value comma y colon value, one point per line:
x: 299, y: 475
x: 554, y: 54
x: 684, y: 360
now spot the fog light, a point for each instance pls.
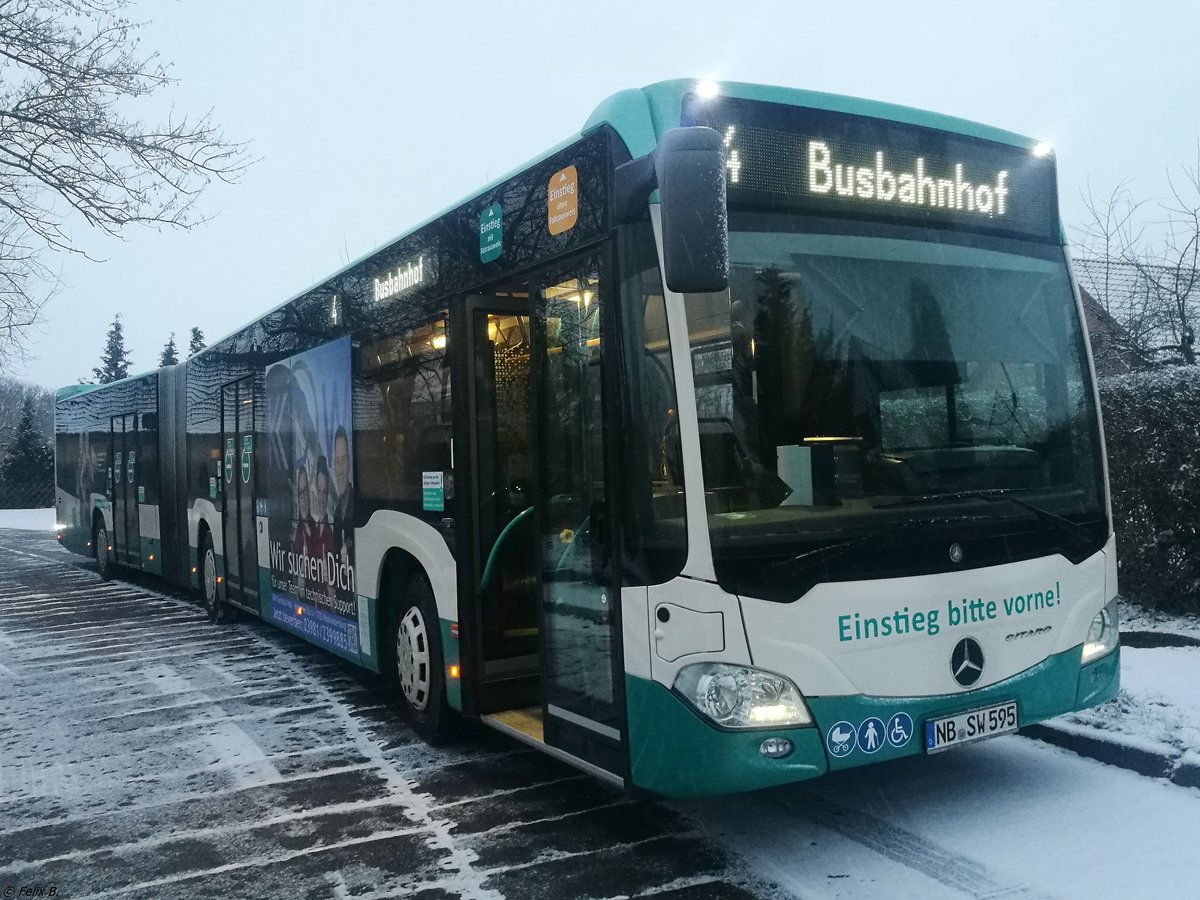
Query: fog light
x: 776, y: 748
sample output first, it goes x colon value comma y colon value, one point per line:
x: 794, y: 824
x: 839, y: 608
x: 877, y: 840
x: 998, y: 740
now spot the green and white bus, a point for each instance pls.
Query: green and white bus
x: 749, y: 434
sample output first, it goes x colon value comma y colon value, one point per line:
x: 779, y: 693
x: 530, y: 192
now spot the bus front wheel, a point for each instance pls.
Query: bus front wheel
x: 417, y: 663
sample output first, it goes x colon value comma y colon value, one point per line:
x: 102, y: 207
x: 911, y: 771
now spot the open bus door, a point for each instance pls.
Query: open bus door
x: 539, y: 593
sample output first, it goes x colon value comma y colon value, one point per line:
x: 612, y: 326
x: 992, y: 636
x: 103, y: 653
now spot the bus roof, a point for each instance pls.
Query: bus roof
x: 76, y: 390
x: 641, y: 115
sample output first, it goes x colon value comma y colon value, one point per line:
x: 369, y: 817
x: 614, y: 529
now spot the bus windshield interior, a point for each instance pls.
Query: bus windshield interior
x: 864, y: 377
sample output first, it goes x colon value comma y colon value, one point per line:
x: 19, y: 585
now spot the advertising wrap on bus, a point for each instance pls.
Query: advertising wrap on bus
x: 310, y: 452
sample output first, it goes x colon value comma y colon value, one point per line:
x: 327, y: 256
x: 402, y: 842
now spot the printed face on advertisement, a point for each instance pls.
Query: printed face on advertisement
x: 322, y: 494
x: 302, y: 504
x: 341, y: 463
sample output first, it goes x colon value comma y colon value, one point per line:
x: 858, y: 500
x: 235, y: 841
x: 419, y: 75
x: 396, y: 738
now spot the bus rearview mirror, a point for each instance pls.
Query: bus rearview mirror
x: 688, y: 168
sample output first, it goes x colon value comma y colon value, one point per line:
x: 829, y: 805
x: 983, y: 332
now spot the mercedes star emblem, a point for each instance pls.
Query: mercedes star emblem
x: 956, y: 553
x: 966, y: 662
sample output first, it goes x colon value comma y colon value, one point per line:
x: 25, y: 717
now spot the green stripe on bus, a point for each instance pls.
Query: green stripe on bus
x: 1042, y: 691
x: 674, y: 752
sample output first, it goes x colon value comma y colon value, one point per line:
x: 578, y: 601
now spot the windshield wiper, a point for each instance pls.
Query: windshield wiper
x: 841, y: 548
x: 1074, y: 529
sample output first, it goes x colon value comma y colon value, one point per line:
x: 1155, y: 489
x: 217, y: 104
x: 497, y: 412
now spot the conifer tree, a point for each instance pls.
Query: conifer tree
x: 114, y: 361
x: 197, y: 343
x: 27, y: 472
x: 170, y: 354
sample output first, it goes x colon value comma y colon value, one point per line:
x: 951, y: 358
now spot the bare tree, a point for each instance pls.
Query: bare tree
x: 1146, y: 271
x: 70, y: 71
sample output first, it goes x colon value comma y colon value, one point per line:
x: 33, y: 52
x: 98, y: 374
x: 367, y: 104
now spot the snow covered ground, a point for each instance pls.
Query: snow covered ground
x: 146, y: 752
x: 1159, y: 703
x: 1006, y: 818
x: 28, y: 519
x: 1135, y: 617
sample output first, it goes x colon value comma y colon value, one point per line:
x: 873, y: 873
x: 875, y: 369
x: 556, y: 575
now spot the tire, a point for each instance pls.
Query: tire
x: 100, y: 545
x: 417, y: 667
x: 209, y: 589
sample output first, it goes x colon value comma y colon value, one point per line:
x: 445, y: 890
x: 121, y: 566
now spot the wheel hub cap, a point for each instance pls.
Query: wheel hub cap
x: 412, y: 658
x: 210, y: 576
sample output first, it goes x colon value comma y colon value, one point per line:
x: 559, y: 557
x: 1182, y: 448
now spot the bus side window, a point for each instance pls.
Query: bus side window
x: 404, y: 425
x: 656, y: 533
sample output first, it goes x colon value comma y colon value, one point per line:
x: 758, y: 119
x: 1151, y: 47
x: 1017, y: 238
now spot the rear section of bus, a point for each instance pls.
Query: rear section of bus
x: 903, y: 541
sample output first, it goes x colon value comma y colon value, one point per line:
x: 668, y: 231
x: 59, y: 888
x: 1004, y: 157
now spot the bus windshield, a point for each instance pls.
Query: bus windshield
x: 886, y: 385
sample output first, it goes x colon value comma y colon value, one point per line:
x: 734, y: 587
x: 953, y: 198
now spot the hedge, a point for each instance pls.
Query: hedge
x: 1152, y: 431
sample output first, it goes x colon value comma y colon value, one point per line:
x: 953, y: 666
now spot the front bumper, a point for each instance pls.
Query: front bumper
x: 676, y: 753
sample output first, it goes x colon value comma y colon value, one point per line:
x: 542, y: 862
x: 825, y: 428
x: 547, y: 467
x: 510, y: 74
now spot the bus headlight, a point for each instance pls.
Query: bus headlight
x: 741, y: 697
x: 1103, y: 634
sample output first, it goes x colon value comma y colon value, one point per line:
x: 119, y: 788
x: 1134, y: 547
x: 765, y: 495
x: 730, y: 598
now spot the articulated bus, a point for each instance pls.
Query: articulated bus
x: 748, y: 435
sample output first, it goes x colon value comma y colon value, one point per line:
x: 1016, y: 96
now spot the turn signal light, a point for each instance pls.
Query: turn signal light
x: 151, y: 557
x: 193, y: 570
x: 219, y: 579
x: 299, y: 610
x: 455, y: 672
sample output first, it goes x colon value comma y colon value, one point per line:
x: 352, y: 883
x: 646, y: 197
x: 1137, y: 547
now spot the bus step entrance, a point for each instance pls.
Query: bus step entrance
x: 523, y: 724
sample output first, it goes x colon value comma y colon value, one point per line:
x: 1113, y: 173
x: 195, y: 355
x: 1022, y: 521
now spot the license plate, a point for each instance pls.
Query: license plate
x: 950, y: 731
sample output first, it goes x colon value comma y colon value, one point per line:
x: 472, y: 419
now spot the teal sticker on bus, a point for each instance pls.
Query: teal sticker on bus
x: 247, y: 448
x: 491, y: 233
x: 433, y: 492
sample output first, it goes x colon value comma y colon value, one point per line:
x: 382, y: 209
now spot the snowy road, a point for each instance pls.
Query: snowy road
x: 146, y: 753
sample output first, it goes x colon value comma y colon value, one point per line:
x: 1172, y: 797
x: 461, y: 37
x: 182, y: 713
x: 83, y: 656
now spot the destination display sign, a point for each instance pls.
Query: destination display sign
x: 843, y: 164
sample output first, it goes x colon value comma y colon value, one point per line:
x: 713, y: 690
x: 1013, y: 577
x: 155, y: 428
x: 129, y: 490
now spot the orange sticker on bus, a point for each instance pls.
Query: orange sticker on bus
x: 562, y: 200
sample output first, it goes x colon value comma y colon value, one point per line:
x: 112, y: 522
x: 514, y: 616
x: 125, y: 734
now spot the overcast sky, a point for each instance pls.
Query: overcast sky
x: 369, y: 117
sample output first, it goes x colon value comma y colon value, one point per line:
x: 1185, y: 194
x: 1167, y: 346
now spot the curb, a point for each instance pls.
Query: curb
x: 1154, y: 761
x: 1187, y: 773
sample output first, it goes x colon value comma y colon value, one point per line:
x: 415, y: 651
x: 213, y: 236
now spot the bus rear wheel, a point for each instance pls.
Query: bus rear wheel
x: 209, y: 583
x: 417, y: 667
x: 100, y: 545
